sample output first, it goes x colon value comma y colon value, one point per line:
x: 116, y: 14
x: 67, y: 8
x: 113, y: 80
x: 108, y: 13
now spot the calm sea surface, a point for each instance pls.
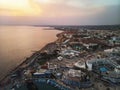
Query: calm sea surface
x: 18, y: 42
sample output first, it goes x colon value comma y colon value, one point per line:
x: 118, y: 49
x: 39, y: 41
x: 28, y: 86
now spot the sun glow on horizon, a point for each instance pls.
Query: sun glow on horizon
x: 19, y: 8
x: 59, y: 12
x: 43, y: 1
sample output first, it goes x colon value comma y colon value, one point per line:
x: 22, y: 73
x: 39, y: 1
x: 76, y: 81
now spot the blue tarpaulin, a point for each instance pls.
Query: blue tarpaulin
x: 103, y: 69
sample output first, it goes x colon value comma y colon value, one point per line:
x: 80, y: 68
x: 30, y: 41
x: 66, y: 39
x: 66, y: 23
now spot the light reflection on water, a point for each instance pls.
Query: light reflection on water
x: 17, y: 42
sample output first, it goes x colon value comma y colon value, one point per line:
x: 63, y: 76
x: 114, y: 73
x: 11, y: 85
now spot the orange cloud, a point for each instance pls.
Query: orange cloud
x: 19, y: 8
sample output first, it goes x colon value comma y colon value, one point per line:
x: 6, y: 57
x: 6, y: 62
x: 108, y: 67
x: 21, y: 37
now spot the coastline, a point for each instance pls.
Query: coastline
x: 70, y: 63
x: 27, y: 60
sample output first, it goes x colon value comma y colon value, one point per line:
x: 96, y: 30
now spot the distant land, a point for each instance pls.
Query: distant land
x: 76, y: 27
x: 84, y: 27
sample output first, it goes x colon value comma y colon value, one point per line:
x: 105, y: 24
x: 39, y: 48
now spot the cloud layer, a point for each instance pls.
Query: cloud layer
x: 58, y: 12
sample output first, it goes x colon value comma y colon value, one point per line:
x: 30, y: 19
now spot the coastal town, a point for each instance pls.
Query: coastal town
x: 80, y: 59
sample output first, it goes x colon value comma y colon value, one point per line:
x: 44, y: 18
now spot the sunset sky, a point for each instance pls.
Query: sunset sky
x: 59, y: 12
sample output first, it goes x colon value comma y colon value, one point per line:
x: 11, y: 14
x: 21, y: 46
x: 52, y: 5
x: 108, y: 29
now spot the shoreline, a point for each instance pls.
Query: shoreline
x: 18, y: 66
x: 27, y: 60
x: 65, y: 70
